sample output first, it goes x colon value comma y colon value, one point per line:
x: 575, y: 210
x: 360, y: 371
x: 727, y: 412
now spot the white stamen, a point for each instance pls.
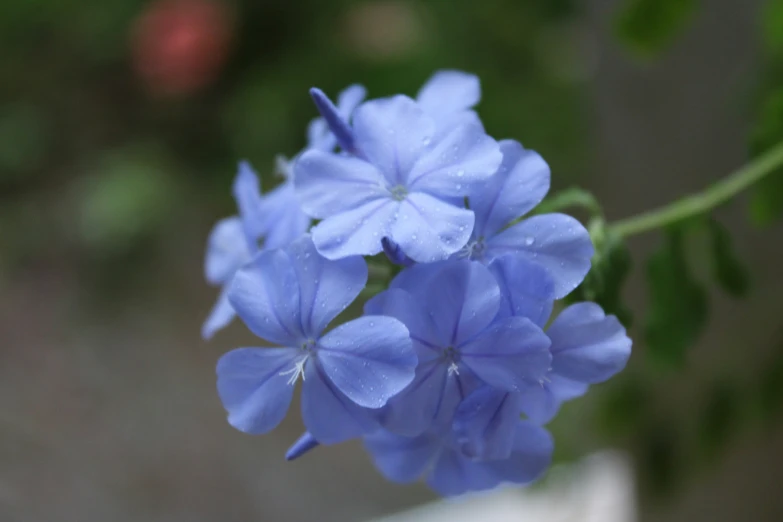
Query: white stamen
x: 296, y: 371
x: 453, y: 369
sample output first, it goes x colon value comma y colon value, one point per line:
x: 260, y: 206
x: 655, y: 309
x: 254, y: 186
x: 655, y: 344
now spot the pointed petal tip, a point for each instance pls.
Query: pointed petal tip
x: 303, y: 445
x: 333, y: 118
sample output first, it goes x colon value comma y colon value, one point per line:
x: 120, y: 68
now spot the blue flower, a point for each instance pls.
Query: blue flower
x: 266, y: 221
x: 587, y: 347
x: 441, y: 461
x: 231, y: 244
x: 288, y: 296
x: 450, y: 314
x: 557, y: 242
x: 286, y: 221
x: 400, y: 181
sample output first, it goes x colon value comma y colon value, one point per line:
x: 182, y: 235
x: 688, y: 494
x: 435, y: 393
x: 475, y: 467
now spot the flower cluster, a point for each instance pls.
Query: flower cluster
x: 455, y: 366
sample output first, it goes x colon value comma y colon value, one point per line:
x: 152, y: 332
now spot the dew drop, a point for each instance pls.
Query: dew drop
x: 460, y: 173
x: 529, y: 241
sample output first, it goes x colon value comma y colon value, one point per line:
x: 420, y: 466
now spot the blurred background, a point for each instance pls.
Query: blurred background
x: 121, y: 124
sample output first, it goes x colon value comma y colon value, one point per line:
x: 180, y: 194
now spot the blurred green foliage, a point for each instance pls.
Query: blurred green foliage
x: 728, y: 270
x: 77, y: 116
x: 647, y: 27
x: 127, y: 196
x: 678, y: 303
x: 766, y: 205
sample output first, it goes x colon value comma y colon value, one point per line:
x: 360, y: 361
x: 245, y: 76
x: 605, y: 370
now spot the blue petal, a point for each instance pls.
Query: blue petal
x: 356, y: 232
x: 369, y: 359
x: 530, y: 456
x: 587, y: 345
x: 326, y: 288
x: 517, y: 187
x: 337, y: 122
x: 557, y: 242
x: 526, y: 289
x: 429, y: 229
x: 453, y: 474
x: 265, y: 295
x: 455, y: 164
x: 252, y: 389
x: 327, y: 184
x: 220, y: 316
x: 401, y: 305
x: 415, y: 279
x: 485, y: 423
x: 286, y: 221
x: 401, y: 459
x: 448, y: 92
x: 510, y: 354
x: 430, y: 401
x: 392, y: 133
x: 395, y: 254
x: 446, y: 124
x: 226, y: 251
x: 247, y: 193
x: 462, y: 299
x: 319, y: 137
x: 349, y: 99
x: 328, y: 415
x: 303, y: 445
x: 540, y: 402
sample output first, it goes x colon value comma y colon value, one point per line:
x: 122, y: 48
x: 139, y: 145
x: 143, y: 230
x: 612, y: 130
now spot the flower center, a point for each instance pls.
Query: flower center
x: 473, y: 250
x: 398, y: 192
x: 307, y: 349
x: 451, y: 356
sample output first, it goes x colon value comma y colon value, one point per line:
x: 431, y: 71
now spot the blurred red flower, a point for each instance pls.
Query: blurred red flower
x: 179, y: 46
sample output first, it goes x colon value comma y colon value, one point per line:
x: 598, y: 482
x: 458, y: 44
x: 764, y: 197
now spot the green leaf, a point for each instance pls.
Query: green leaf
x: 729, y: 272
x: 772, y: 25
x: 611, y: 265
x: 624, y: 406
x: 647, y: 27
x: 770, y: 387
x: 662, y: 457
x: 678, y: 303
x: 719, y: 419
x: 766, y: 200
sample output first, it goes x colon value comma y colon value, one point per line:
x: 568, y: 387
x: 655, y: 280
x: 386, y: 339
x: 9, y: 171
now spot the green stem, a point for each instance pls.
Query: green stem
x: 700, y: 203
x: 571, y: 197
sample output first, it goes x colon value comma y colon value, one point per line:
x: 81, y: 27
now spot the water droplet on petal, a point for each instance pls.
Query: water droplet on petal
x: 529, y: 240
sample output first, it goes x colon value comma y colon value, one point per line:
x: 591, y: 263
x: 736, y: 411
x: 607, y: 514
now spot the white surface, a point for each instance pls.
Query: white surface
x: 600, y: 488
